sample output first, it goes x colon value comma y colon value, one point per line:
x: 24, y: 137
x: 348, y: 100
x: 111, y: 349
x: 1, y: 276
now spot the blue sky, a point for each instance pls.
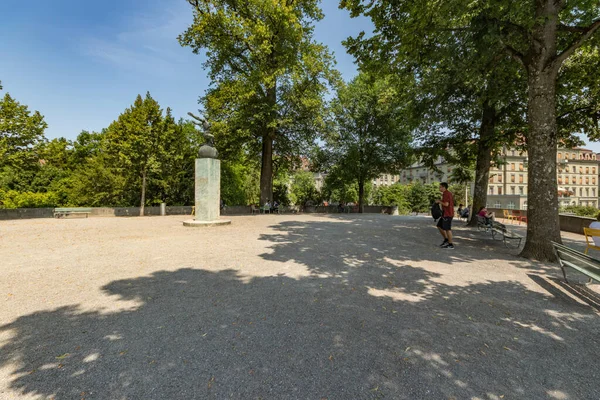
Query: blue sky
x: 81, y: 63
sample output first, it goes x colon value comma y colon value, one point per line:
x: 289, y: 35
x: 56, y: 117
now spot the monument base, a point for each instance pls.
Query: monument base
x: 192, y: 223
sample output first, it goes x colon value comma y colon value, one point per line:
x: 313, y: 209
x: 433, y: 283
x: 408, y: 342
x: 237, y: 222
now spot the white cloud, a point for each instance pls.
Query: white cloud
x: 145, y: 43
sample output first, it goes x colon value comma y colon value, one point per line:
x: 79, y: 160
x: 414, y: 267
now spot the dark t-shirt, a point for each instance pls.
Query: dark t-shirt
x: 448, y: 198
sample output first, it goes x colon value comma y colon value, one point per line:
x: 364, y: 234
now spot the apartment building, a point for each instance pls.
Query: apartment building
x: 578, y: 175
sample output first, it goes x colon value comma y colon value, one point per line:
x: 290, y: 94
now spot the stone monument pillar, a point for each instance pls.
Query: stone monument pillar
x: 207, y: 186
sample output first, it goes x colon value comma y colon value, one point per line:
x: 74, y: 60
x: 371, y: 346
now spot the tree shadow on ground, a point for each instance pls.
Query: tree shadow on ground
x: 376, y: 239
x: 368, y: 327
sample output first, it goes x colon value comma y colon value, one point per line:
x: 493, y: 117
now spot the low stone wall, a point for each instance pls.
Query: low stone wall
x: 568, y: 222
x: 353, y: 209
x: 574, y: 224
x: 26, y: 213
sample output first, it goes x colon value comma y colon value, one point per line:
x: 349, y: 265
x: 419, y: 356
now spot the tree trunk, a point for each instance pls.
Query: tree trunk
x: 484, y: 160
x: 143, y: 200
x: 266, y: 171
x: 542, y: 199
x: 361, y: 195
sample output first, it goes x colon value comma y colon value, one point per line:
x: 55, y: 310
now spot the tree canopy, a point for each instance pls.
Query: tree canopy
x: 268, y: 76
x: 370, y: 135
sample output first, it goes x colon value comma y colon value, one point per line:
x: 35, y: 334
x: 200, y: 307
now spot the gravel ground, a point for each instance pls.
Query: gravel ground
x: 285, y: 307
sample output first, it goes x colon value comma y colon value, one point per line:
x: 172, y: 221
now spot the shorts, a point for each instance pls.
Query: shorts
x: 445, y: 223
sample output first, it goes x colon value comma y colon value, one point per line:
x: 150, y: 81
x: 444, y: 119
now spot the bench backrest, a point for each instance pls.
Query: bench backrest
x: 569, y: 255
x: 73, y: 209
x: 481, y: 220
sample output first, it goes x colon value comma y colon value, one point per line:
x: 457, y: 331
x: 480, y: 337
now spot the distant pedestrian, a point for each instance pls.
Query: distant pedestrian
x: 445, y: 223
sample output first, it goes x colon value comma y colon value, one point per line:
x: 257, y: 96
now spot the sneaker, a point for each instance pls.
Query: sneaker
x: 444, y: 244
x: 449, y: 246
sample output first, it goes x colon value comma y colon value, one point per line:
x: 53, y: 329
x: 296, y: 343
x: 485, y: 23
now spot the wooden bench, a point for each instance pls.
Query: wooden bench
x: 499, y: 232
x: 570, y: 258
x: 66, y: 211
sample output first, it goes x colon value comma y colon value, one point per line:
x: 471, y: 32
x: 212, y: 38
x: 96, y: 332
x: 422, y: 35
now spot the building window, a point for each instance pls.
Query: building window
x: 574, y: 157
x: 581, y: 170
x: 594, y: 170
x: 521, y: 168
x: 580, y: 192
x: 587, y: 170
x: 521, y: 190
x: 500, y: 178
x: 566, y: 156
x: 587, y: 180
x: 593, y: 192
x: 560, y: 156
x: 500, y: 190
x: 497, y: 204
x: 525, y: 205
x: 574, y: 169
x: 560, y: 180
x: 512, y: 178
x: 587, y: 192
x: 491, y: 190
x: 511, y: 205
x: 512, y: 166
x: 580, y: 180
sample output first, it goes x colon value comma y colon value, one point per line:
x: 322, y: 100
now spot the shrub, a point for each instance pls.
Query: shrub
x: 14, y: 199
x: 582, y: 211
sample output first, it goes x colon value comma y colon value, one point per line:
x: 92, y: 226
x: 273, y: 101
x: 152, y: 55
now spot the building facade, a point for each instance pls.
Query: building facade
x: 578, y: 175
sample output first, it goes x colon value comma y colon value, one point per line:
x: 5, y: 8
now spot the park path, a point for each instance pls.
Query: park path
x: 285, y: 307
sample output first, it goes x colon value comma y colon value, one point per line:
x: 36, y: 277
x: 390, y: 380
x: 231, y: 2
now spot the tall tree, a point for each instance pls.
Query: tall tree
x: 371, y: 136
x: 136, y: 139
x: 540, y: 35
x: 468, y: 93
x: 21, y: 133
x: 268, y: 75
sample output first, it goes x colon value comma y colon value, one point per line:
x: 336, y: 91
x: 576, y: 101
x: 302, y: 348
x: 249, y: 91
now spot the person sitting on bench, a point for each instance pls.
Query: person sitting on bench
x: 489, y: 216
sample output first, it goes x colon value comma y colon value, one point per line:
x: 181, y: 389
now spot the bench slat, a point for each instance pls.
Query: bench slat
x: 572, y: 258
x: 586, y: 271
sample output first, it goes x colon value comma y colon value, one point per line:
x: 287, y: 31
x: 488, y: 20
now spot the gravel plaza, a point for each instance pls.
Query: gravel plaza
x: 286, y: 307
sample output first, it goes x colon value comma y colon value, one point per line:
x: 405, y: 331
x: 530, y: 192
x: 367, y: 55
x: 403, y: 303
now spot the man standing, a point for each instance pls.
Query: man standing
x: 445, y: 223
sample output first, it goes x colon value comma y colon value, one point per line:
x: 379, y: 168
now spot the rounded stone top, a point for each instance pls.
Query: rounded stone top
x: 208, y: 152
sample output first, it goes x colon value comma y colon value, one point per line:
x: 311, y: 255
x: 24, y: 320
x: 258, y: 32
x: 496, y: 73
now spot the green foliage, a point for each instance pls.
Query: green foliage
x: 303, y: 188
x: 459, y: 194
x: 14, y: 199
x: 21, y: 133
x: 268, y: 76
x: 370, y: 137
x: 239, y: 183
x: 582, y: 211
x: 338, y: 190
x: 419, y: 197
x: 394, y: 195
